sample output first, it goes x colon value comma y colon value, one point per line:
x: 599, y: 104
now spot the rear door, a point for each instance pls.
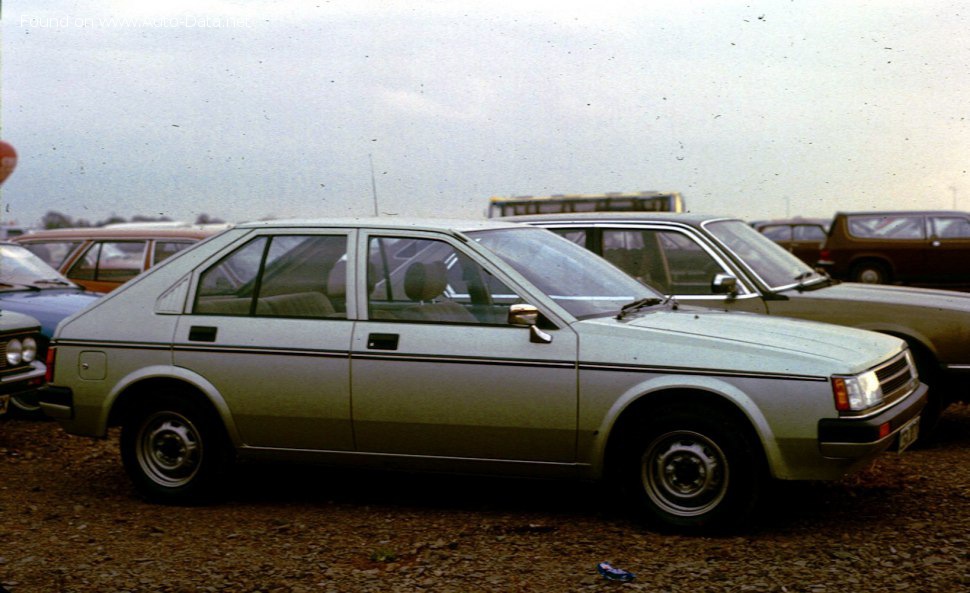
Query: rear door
x: 268, y: 327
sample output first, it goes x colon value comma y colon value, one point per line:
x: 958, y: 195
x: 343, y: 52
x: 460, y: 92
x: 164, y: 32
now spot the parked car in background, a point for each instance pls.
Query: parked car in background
x: 803, y: 237
x: 927, y: 248
x: 103, y: 258
x: 31, y: 287
x: 720, y: 262
x: 469, y: 347
x: 20, y: 369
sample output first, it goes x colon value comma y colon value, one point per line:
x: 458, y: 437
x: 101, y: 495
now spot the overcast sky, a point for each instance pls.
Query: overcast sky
x: 250, y: 109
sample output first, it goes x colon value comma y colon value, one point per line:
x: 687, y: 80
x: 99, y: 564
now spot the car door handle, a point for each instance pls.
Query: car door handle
x: 202, y: 333
x: 382, y: 341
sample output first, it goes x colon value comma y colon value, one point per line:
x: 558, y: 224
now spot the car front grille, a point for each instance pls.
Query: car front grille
x: 897, y: 378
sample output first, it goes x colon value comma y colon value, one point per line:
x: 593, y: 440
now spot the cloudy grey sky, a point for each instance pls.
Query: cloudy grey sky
x: 249, y: 109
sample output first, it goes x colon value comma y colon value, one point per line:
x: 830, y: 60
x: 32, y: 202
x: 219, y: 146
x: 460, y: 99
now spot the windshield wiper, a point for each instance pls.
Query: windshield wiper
x: 641, y: 303
x: 57, y: 281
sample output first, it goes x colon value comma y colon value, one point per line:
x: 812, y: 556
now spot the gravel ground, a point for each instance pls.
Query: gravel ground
x: 70, y: 522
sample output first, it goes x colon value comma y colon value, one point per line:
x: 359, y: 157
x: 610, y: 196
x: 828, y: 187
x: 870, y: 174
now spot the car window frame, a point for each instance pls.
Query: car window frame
x: 556, y: 316
x: 745, y: 288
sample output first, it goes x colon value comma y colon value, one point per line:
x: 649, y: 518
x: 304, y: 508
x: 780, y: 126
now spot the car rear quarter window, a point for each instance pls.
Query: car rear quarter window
x: 887, y: 227
x: 166, y: 249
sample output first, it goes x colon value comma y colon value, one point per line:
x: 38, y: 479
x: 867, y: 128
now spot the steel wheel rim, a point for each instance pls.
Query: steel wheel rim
x: 169, y: 449
x: 684, y: 473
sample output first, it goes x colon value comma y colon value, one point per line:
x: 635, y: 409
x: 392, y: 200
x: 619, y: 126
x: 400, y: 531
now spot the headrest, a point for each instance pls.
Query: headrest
x: 337, y: 280
x: 423, y: 282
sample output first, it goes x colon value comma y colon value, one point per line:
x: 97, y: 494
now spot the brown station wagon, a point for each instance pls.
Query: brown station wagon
x: 927, y: 248
x: 102, y: 259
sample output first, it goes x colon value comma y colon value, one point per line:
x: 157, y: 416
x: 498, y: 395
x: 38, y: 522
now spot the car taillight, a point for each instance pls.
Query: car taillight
x: 51, y: 355
x: 824, y: 254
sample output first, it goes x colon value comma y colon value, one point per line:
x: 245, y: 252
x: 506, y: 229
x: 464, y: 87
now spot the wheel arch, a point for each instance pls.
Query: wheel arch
x: 134, y: 389
x: 728, y: 400
x: 872, y: 258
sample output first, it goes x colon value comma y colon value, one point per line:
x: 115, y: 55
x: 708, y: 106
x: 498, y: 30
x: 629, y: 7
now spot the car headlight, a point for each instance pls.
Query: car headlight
x: 857, y: 392
x: 29, y: 349
x: 15, y: 351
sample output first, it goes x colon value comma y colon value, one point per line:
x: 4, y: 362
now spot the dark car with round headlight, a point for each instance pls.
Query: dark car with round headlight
x: 31, y: 287
x: 20, y: 370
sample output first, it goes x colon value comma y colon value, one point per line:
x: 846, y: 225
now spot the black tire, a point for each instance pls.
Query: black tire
x: 175, y: 450
x: 870, y: 272
x: 694, y: 469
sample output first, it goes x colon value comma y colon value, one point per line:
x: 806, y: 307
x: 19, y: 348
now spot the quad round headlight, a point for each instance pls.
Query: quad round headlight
x: 15, y: 352
x: 30, y: 349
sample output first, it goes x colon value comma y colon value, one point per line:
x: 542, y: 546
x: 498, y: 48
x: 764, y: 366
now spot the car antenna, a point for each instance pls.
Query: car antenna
x: 373, y: 182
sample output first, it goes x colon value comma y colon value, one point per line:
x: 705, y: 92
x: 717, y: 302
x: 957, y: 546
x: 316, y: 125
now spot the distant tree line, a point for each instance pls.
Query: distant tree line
x: 58, y: 220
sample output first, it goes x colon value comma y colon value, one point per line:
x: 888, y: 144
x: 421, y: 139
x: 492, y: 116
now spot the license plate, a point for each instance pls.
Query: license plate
x: 4, y: 400
x: 908, y: 434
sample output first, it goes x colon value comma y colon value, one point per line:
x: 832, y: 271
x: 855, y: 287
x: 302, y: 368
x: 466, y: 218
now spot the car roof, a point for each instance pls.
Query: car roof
x: 195, y: 232
x: 388, y: 222
x: 795, y: 220
x: 689, y: 218
x: 898, y: 212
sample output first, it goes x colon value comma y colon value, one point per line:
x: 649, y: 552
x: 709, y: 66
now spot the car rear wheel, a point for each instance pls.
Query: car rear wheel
x: 694, y: 469
x: 870, y: 273
x: 175, y: 450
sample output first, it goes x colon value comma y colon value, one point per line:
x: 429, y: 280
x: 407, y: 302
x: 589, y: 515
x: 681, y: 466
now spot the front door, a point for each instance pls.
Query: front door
x: 437, y: 370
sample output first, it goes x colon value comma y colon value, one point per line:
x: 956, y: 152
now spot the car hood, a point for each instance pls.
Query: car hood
x: 48, y: 306
x: 744, y: 342
x: 907, y: 296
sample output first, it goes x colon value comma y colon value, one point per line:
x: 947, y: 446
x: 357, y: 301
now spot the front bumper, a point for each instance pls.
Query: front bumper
x: 31, y: 379
x: 855, y: 438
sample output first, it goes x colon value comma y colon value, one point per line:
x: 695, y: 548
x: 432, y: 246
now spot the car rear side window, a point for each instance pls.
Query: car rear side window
x: 887, y: 227
x: 950, y: 227
x: 297, y: 276
x: 110, y: 261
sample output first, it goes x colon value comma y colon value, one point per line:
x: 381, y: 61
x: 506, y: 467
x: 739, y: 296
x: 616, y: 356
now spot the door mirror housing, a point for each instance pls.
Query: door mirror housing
x: 725, y: 284
x: 526, y: 315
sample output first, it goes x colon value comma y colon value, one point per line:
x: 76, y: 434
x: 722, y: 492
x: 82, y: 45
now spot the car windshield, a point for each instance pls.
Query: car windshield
x: 776, y: 267
x: 582, y: 283
x: 19, y: 267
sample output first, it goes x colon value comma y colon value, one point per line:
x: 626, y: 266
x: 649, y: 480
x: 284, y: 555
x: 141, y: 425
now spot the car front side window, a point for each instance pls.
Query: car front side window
x: 423, y: 280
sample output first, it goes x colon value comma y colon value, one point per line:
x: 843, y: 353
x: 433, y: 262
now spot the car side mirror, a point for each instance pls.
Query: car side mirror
x: 724, y: 284
x: 526, y: 315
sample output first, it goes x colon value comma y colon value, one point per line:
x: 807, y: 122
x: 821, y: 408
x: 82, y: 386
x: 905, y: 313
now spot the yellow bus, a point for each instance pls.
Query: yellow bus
x: 644, y: 201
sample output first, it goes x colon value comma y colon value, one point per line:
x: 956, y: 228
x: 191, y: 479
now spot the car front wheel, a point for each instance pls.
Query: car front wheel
x: 694, y: 470
x: 175, y: 451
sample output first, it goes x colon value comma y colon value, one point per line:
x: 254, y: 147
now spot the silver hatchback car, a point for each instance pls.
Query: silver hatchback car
x: 475, y: 346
